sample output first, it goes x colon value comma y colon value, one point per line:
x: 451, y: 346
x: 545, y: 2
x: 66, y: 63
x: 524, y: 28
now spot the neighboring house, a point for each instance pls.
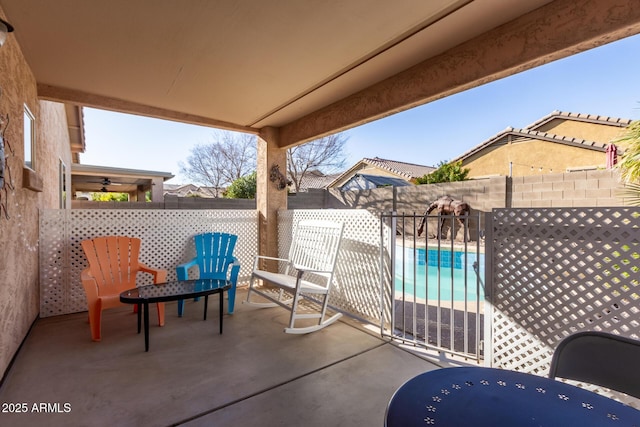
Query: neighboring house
x: 559, y: 142
x: 190, y: 190
x: 316, y: 179
x: 377, y: 172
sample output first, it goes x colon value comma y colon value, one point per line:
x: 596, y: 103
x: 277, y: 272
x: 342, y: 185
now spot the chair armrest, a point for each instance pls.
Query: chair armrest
x: 301, y: 269
x: 235, y: 269
x: 89, y: 284
x: 182, y: 270
x: 159, y: 274
x: 259, y: 257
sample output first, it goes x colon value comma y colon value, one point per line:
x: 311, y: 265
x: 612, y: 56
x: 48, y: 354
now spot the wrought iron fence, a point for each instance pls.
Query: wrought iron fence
x: 437, y: 280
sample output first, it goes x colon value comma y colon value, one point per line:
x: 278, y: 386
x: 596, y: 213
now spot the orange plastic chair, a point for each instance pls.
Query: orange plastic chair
x: 113, y: 267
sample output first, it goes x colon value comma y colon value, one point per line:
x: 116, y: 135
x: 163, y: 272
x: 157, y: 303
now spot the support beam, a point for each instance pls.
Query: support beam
x: 557, y: 30
x: 58, y: 94
x: 269, y: 199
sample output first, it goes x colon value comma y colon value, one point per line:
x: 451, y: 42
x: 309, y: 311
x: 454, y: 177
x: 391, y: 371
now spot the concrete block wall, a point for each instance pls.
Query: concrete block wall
x: 379, y: 199
x: 174, y: 202
x: 315, y: 198
x: 572, y: 189
x: 481, y: 194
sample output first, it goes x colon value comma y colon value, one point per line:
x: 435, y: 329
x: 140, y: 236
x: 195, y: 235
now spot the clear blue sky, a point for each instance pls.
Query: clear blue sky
x: 602, y: 81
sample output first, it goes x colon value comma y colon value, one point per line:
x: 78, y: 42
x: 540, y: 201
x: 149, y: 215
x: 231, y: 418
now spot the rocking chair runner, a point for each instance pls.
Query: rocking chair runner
x: 312, y: 255
x: 214, y: 257
x: 113, y: 267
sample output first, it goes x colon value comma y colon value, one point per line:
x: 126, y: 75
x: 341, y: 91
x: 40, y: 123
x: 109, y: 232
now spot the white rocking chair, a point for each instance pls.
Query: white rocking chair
x: 312, y: 255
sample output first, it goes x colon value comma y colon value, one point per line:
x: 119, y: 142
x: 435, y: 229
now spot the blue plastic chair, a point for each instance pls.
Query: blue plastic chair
x: 214, y: 256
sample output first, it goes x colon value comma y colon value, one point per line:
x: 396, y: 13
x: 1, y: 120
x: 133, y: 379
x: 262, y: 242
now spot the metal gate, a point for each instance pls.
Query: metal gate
x: 437, y: 282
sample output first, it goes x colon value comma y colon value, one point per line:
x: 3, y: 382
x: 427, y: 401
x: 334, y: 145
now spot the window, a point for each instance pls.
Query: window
x: 63, y: 185
x: 29, y: 138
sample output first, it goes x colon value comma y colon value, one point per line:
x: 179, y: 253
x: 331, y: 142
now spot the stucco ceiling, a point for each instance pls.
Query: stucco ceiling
x: 247, y: 64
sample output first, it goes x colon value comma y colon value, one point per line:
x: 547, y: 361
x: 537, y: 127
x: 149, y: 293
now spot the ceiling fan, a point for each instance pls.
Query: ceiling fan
x: 105, y: 182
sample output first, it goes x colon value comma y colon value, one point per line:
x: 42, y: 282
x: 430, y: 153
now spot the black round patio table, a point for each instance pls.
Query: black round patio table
x: 173, y: 291
x: 475, y: 396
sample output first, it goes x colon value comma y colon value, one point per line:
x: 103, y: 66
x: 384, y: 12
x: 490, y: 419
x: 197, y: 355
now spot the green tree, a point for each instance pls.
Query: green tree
x: 446, y: 172
x: 110, y: 197
x: 243, y: 187
x: 629, y: 164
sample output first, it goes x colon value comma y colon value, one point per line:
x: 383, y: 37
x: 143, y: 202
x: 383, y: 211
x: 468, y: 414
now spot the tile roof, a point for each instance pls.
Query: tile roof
x: 404, y: 170
x: 185, y: 190
x: 316, y: 179
x: 532, y: 134
x: 407, y: 170
x: 612, y: 121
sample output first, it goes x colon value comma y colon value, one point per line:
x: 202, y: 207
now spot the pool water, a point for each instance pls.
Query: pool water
x: 433, y: 276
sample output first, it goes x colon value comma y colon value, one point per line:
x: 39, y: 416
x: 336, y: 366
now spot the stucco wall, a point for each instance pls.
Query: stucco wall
x: 532, y: 158
x: 54, y: 146
x: 518, y: 156
x: 582, y: 130
x: 19, y: 294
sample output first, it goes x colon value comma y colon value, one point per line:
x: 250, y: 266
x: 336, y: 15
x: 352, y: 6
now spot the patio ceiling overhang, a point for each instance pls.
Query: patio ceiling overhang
x: 307, y: 68
x: 89, y: 178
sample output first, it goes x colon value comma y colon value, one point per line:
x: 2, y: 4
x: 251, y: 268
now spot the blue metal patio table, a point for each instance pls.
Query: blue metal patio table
x: 475, y: 396
x: 173, y: 291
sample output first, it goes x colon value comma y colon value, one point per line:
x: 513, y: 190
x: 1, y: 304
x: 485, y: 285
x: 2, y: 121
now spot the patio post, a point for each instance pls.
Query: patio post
x: 269, y: 198
x: 157, y: 189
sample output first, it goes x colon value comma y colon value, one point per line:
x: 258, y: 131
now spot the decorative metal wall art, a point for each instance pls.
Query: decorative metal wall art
x: 278, y: 178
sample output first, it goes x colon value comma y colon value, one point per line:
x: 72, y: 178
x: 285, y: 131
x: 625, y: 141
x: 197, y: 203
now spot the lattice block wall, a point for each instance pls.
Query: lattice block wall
x: 357, y: 280
x: 557, y: 272
x: 167, y: 240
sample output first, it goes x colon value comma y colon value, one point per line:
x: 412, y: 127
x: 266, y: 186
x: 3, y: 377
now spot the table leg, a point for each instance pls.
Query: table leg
x: 146, y: 326
x: 139, y: 316
x: 221, y: 308
x: 206, y: 303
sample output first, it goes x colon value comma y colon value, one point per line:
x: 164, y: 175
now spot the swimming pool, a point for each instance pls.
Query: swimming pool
x: 432, y: 273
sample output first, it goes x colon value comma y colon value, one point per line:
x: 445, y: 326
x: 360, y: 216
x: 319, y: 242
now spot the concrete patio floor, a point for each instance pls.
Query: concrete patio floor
x: 253, y: 374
